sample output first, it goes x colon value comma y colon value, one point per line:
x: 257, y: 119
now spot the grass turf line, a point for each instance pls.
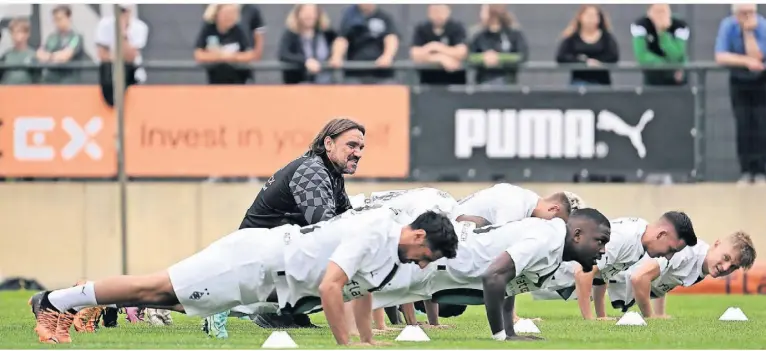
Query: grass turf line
x: 694, y: 325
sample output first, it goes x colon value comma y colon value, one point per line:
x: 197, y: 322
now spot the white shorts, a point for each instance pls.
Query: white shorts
x: 233, y: 271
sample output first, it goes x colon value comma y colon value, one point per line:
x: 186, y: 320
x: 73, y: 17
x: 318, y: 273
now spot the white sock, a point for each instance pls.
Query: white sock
x: 78, y: 296
x: 80, y: 308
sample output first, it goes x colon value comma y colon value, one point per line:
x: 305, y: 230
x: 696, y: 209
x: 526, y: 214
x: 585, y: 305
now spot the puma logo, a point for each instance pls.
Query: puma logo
x: 610, y: 122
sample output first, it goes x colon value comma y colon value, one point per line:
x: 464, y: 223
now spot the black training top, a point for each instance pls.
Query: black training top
x: 306, y: 191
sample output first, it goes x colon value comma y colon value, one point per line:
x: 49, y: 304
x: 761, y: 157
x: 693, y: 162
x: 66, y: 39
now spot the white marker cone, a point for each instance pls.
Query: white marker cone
x: 733, y: 314
x: 412, y: 333
x: 525, y: 326
x: 631, y: 318
x: 279, y: 340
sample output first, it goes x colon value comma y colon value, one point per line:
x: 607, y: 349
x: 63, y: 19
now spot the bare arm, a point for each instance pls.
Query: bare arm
x: 584, y: 283
x: 103, y: 53
x: 363, y: 317
x: 258, y: 45
x: 641, y: 280
x: 419, y: 54
x: 508, y: 305
x: 432, y: 312
x: 457, y: 52
x: 205, y: 56
x: 390, y: 46
x: 599, y: 300
x: 330, y: 291
x: 409, y: 314
x: 494, y: 280
x: 339, y: 48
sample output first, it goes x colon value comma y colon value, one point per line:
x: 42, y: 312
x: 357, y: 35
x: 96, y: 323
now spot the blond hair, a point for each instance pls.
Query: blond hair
x: 574, y: 25
x: 742, y: 242
x: 211, y: 11
x: 291, y: 22
x: 20, y: 23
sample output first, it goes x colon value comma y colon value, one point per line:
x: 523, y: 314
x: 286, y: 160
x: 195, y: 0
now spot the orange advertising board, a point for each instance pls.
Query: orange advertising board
x: 56, y: 131
x: 739, y: 283
x: 255, y: 130
x: 194, y: 131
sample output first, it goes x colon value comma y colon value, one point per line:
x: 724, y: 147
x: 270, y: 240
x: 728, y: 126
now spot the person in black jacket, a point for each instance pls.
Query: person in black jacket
x: 307, y: 41
x: 588, y: 39
x: 308, y: 190
x: 442, y: 40
x: 224, y: 46
x: 498, y: 47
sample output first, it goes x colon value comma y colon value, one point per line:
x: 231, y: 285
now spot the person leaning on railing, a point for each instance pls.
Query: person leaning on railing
x: 62, y: 46
x: 224, y: 46
x: 367, y: 33
x: 307, y: 41
x: 442, y: 40
x: 498, y: 44
x: 19, y: 54
x: 588, y: 40
x: 741, y: 44
x: 659, y: 38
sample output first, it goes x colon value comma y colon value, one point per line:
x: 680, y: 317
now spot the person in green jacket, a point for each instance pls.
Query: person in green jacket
x: 658, y: 39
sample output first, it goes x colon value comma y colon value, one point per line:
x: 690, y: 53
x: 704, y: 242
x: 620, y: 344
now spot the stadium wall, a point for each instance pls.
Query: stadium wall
x: 60, y: 232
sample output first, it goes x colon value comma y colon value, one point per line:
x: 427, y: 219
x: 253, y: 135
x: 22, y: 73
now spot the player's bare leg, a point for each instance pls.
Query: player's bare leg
x: 57, y: 308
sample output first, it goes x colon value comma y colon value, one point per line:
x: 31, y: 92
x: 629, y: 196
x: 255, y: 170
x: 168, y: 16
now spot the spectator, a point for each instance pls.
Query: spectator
x: 367, y: 33
x: 252, y: 20
x: 62, y: 46
x: 483, y: 18
x: 307, y: 41
x: 741, y: 44
x: 499, y: 43
x: 135, y: 38
x: 19, y: 54
x: 441, y: 40
x: 224, y: 45
x: 659, y: 38
x: 588, y: 39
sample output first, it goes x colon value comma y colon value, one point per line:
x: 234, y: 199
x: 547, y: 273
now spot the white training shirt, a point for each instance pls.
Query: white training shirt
x: 499, y: 204
x: 415, y: 202
x: 535, y: 245
x: 137, y: 33
x: 624, y: 248
x: 684, y: 269
x: 364, y: 244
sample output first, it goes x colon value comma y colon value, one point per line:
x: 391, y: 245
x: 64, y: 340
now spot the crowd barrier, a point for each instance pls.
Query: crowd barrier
x: 61, y: 232
x: 424, y: 134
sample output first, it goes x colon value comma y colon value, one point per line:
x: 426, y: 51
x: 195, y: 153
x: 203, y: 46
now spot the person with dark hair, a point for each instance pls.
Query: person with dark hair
x: 308, y: 190
x: 62, y: 46
x: 498, y: 47
x: 588, y: 40
x: 308, y: 266
x: 500, y: 204
x: 582, y: 240
x: 632, y: 238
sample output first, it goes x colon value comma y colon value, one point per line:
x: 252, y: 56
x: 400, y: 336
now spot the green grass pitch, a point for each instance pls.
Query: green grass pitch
x: 694, y: 325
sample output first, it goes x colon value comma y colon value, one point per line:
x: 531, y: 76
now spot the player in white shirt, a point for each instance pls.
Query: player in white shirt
x: 412, y: 202
x: 652, y: 279
x: 338, y: 260
x: 631, y: 239
x: 504, y: 202
x: 499, y: 204
x: 538, y: 246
